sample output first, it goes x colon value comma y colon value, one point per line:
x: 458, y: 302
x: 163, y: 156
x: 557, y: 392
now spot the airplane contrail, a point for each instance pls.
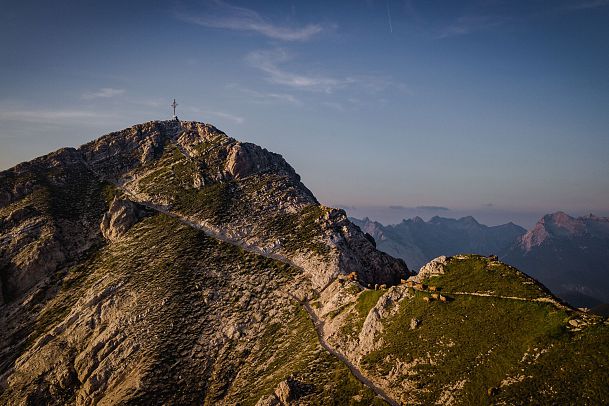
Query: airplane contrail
x: 389, y: 18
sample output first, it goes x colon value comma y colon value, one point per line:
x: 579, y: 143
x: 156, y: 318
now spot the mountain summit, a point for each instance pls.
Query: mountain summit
x: 417, y: 241
x: 166, y: 239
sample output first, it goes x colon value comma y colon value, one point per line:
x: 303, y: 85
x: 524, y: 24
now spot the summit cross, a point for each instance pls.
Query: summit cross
x: 174, y: 105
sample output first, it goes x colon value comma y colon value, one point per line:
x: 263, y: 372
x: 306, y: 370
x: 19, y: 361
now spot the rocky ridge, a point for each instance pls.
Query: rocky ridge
x: 199, y: 270
x: 468, y: 330
x: 112, y: 242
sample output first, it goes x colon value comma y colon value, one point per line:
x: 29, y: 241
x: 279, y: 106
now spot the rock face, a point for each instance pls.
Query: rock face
x: 119, y: 218
x: 433, y: 268
x: 169, y: 255
x: 47, y: 218
x: 569, y: 255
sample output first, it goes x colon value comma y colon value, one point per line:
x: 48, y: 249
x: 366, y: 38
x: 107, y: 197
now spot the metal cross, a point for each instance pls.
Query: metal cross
x: 174, y: 105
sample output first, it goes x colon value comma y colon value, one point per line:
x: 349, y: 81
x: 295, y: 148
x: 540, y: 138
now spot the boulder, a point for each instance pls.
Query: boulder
x: 120, y: 217
x: 434, y: 267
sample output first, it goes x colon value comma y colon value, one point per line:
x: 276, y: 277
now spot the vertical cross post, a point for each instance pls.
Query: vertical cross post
x: 174, y: 105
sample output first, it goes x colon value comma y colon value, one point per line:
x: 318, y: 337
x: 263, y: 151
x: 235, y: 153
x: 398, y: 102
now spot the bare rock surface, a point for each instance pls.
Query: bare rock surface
x: 433, y: 268
x: 168, y: 263
x: 121, y: 215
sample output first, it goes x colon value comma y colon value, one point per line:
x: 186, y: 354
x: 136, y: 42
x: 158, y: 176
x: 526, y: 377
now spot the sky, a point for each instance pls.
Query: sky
x: 496, y: 109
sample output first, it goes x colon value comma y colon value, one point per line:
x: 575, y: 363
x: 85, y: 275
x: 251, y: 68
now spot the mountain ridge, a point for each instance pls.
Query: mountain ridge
x: 418, y: 241
x: 567, y: 254
x: 144, y: 176
x: 168, y: 263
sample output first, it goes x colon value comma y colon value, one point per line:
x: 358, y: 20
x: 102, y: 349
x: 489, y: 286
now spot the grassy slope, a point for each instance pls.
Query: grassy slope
x: 482, y: 275
x: 161, y: 258
x: 224, y: 202
x: 293, y: 350
x: 482, y: 341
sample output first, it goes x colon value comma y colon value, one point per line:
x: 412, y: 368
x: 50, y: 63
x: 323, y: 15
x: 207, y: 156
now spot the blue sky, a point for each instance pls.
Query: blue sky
x: 499, y: 109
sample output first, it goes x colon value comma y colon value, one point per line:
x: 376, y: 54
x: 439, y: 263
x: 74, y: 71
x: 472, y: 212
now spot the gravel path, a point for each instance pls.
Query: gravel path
x: 316, y: 321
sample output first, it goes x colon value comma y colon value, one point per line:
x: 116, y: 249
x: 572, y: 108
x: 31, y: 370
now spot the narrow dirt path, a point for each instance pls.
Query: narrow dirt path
x: 319, y: 325
x: 522, y: 299
x: 219, y: 235
x: 256, y: 250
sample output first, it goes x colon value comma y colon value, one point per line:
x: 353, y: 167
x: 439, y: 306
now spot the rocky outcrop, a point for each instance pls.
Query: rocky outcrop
x: 116, y: 154
x: 433, y: 268
x: 244, y: 159
x: 358, y: 254
x: 121, y: 215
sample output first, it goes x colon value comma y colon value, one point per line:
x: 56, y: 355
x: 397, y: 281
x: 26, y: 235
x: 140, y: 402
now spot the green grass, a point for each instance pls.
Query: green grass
x: 574, y: 371
x: 292, y: 349
x: 479, y: 274
x: 300, y: 230
x: 355, y: 320
x: 367, y: 300
x: 281, y: 351
x: 479, y: 339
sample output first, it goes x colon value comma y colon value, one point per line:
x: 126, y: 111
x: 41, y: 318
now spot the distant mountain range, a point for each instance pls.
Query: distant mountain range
x: 418, y: 241
x: 569, y: 255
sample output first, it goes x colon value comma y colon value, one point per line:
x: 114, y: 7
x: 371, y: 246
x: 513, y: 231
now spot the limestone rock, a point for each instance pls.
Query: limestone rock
x: 119, y: 218
x: 284, y: 392
x: 434, y: 267
x: 245, y: 159
x: 269, y: 400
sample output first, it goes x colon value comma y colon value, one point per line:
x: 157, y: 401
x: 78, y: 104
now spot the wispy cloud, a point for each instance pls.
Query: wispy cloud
x: 419, y: 208
x: 51, y: 116
x: 270, y: 61
x: 265, y: 97
x: 219, y: 14
x: 470, y: 23
x: 103, y: 93
x: 274, y: 64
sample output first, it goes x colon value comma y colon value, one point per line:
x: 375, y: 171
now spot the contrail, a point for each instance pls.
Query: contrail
x: 389, y: 18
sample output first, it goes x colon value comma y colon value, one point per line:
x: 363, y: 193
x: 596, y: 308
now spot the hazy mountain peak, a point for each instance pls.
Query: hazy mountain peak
x: 554, y: 225
x: 469, y: 220
x: 417, y: 219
